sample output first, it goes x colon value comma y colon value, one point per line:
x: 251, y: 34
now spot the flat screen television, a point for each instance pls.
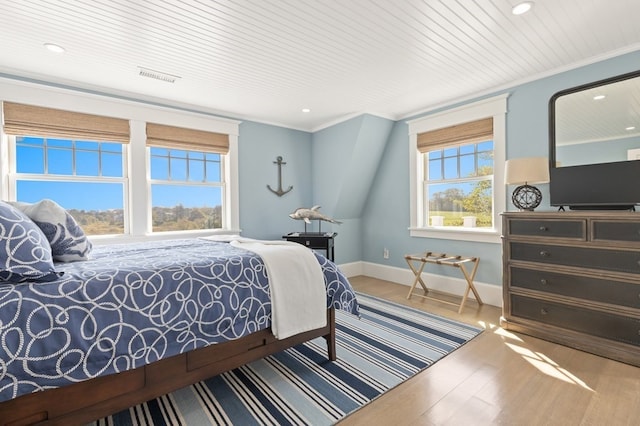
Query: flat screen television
x: 594, y: 145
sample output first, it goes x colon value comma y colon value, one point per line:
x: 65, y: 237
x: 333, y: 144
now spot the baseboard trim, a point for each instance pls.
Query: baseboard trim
x: 491, y: 294
x: 352, y: 269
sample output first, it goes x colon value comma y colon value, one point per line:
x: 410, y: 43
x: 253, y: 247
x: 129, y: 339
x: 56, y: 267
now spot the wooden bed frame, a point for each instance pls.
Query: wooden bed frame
x: 83, y: 402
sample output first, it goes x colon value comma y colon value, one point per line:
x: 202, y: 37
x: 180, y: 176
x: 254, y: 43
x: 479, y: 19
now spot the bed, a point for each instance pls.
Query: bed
x: 136, y: 321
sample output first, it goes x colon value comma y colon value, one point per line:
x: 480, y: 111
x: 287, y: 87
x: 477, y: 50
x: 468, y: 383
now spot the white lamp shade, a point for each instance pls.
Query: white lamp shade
x: 526, y: 170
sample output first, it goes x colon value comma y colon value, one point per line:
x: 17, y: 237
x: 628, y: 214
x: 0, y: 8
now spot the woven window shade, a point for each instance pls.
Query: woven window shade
x: 474, y: 131
x: 29, y: 120
x: 182, y: 138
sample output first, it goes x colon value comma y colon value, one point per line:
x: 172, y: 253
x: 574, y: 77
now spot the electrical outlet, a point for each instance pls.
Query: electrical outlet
x: 385, y: 253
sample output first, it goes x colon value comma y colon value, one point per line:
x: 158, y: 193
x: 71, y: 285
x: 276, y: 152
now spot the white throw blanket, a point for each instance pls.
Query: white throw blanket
x: 296, y: 282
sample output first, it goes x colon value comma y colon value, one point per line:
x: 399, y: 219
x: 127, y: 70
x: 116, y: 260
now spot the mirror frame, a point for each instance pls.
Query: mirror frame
x: 554, y: 98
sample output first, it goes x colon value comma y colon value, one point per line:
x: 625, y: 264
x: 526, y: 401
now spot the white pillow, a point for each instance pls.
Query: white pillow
x: 67, y: 239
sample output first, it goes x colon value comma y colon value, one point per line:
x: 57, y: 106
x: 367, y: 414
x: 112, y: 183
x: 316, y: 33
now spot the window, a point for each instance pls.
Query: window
x: 186, y: 189
x: 459, y: 185
x: 85, y: 177
x: 187, y: 184
x: 457, y: 161
x: 121, y: 178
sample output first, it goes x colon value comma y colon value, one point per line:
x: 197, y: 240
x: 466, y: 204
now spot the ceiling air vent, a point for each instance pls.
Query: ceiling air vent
x: 162, y: 76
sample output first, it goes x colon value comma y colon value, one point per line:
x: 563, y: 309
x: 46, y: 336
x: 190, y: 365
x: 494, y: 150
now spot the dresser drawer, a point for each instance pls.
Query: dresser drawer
x: 309, y: 241
x: 608, y: 326
x: 593, y: 258
x: 579, y: 286
x: 576, y: 229
x: 616, y: 231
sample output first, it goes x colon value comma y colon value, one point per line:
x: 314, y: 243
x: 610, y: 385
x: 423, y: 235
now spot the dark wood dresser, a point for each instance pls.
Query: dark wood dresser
x: 574, y: 278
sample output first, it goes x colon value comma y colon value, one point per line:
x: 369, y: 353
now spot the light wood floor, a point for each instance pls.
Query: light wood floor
x: 503, y: 378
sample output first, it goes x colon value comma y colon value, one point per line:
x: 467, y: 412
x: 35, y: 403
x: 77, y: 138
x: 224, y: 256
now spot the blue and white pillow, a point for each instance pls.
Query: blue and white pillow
x: 25, y: 254
x: 67, y: 239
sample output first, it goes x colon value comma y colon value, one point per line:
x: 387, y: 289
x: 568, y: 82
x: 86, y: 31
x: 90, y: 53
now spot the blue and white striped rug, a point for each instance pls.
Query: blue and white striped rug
x: 386, y: 346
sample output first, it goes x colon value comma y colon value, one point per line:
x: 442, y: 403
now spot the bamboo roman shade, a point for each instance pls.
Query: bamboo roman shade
x: 473, y: 131
x: 29, y: 120
x: 179, y: 137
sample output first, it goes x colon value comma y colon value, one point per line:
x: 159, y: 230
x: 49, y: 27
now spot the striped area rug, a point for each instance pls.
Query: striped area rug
x: 376, y: 352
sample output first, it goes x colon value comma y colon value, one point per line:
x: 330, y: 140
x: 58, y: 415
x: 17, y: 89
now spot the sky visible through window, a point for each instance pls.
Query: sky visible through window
x: 97, y: 172
x: 466, y: 161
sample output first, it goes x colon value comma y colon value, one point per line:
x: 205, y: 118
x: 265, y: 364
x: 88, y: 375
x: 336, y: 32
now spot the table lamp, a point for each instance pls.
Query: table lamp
x: 522, y: 172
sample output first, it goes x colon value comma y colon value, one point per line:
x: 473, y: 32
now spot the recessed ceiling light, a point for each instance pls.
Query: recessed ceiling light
x: 521, y: 8
x: 54, y: 48
x: 631, y: 128
x: 306, y: 110
x: 598, y: 97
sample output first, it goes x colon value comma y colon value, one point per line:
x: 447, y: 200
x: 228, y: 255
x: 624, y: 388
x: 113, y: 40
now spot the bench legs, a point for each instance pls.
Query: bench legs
x: 443, y: 259
x: 470, y: 286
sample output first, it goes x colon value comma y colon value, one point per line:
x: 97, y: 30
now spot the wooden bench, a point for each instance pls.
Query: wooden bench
x: 417, y: 263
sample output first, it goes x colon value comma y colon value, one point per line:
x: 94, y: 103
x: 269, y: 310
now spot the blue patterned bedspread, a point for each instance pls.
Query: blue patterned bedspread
x: 132, y: 304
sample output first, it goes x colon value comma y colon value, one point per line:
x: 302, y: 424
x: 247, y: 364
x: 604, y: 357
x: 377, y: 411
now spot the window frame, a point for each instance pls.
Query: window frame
x: 495, y: 107
x: 217, y: 184
x: 138, y: 113
x: 14, y: 177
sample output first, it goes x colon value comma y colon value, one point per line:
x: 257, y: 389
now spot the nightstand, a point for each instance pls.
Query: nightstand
x: 315, y: 240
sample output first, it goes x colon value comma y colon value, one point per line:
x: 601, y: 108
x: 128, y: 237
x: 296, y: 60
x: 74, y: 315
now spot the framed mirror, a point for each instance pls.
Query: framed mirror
x: 597, y: 122
x: 594, y: 144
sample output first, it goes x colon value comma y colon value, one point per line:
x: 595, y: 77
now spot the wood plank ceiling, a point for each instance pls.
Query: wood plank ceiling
x: 265, y: 60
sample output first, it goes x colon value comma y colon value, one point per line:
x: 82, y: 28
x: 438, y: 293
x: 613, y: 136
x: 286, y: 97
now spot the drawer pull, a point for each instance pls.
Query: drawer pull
x: 543, y: 228
x: 544, y: 253
x: 543, y: 281
x: 544, y: 311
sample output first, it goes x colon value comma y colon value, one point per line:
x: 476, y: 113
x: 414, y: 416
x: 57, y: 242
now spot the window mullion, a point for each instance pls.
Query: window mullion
x: 476, y: 165
x: 188, y: 165
x: 73, y: 158
x: 45, y: 155
x: 99, y: 159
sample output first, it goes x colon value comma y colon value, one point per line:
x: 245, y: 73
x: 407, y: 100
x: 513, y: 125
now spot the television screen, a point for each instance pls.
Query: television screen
x: 596, y: 186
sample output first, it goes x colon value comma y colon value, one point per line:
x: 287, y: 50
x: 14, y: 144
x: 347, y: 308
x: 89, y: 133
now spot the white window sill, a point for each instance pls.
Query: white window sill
x: 458, y: 233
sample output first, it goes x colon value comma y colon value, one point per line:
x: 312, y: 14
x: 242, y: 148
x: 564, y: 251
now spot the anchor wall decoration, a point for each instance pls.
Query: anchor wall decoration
x: 279, y: 192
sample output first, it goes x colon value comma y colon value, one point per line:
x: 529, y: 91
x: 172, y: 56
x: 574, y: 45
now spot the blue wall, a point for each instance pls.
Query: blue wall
x: 386, y: 217
x: 346, y: 158
x: 358, y: 171
x: 263, y: 214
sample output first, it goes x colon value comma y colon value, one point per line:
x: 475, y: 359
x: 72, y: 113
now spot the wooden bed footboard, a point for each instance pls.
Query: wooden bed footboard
x: 86, y: 401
